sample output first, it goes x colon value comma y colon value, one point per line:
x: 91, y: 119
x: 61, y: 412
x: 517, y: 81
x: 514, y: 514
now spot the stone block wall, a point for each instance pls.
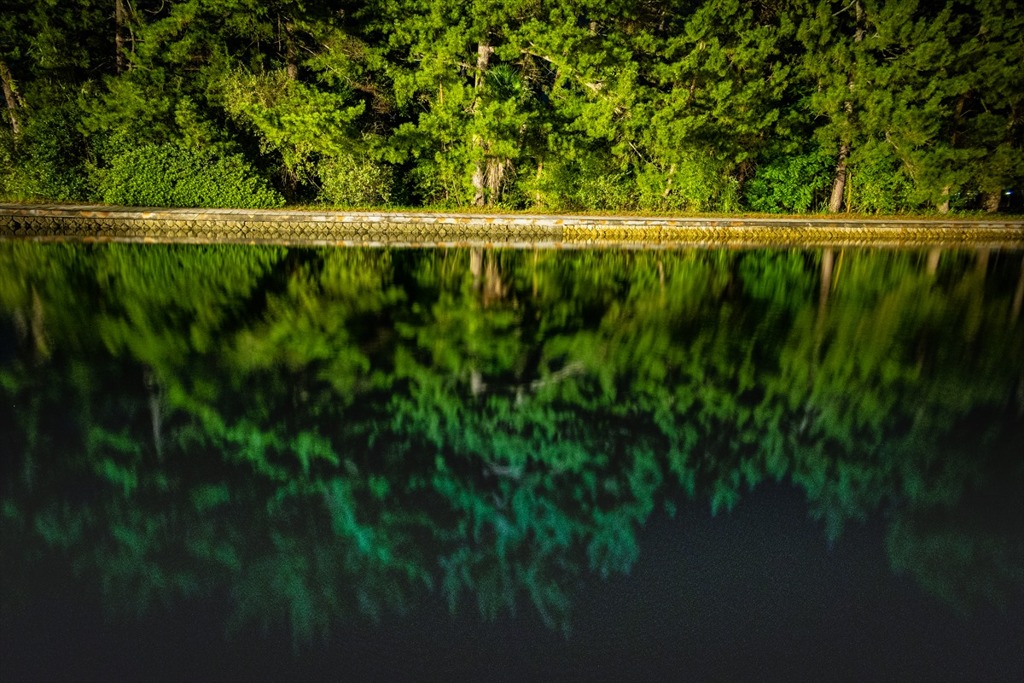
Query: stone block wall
x: 290, y: 227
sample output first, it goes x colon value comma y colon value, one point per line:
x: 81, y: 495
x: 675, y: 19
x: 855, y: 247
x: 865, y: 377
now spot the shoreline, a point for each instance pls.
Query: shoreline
x: 311, y: 227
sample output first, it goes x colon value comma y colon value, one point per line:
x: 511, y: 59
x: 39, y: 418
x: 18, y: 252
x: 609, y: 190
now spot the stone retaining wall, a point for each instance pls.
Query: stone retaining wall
x: 95, y: 223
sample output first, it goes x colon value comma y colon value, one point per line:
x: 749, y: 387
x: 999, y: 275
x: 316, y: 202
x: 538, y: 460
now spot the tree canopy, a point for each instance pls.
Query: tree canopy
x: 795, y: 106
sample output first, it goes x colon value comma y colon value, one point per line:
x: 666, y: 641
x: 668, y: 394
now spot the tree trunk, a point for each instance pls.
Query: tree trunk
x: 11, y: 98
x: 481, y: 171
x: 536, y: 184
x: 290, y: 60
x: 835, y: 202
x: 943, y: 206
x: 668, y: 183
x: 293, y: 66
x: 119, y: 21
x: 496, y: 172
x: 479, y: 179
x: 483, y: 59
x: 990, y: 200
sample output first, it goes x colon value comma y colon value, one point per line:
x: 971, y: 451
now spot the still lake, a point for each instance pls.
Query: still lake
x: 231, y: 462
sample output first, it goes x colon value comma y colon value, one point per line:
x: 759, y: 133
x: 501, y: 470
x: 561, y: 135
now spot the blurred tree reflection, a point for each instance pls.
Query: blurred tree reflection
x: 317, y: 435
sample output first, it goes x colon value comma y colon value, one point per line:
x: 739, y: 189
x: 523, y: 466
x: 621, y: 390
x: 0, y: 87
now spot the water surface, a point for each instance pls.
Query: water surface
x: 239, y: 462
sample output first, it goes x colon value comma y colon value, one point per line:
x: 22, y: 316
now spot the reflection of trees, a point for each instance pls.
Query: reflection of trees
x: 330, y: 433
x: 969, y: 551
x: 960, y: 557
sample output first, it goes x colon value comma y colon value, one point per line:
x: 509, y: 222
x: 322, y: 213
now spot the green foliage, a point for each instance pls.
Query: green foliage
x: 795, y: 184
x: 173, y: 175
x: 50, y: 157
x: 128, y: 113
x: 439, y: 182
x: 15, y: 182
x: 879, y: 183
x: 694, y: 183
x: 601, y: 192
x: 349, y: 182
x: 709, y: 106
x: 297, y: 122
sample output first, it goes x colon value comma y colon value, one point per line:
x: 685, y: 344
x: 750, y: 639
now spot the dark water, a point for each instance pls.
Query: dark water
x: 227, y: 463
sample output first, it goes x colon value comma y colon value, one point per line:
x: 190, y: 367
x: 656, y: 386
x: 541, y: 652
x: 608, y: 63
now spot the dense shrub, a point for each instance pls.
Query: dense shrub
x: 14, y: 182
x: 605, y: 192
x: 348, y: 182
x: 797, y: 183
x: 589, y: 183
x: 438, y: 182
x: 174, y: 175
x: 549, y: 187
x: 694, y: 182
x: 50, y: 157
x: 878, y: 182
